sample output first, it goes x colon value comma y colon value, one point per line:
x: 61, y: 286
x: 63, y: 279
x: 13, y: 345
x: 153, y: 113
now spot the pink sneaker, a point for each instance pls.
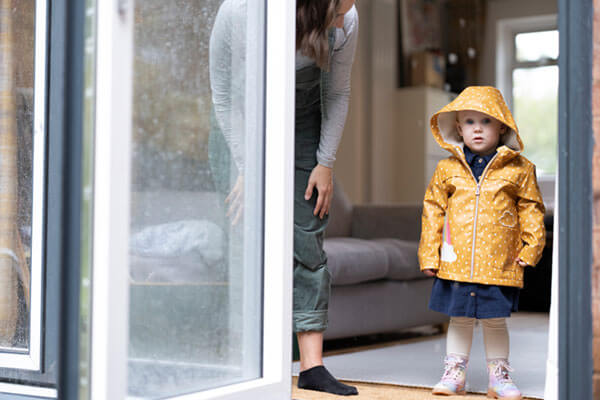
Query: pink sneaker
x: 453, y: 380
x: 501, y: 385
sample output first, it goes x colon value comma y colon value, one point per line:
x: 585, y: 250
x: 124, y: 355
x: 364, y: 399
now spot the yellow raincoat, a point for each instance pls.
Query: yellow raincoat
x: 474, y: 232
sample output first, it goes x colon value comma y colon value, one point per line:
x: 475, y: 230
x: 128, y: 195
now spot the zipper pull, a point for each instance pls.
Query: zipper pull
x: 477, y: 191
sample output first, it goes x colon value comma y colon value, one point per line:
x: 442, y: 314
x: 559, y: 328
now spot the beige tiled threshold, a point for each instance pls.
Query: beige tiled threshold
x: 369, y: 391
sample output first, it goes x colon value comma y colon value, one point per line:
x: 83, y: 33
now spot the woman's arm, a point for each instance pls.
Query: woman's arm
x: 337, y: 92
x: 337, y: 95
x: 227, y: 54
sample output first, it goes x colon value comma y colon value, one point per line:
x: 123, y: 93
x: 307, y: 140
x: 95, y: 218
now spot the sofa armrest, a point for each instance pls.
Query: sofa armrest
x: 387, y: 221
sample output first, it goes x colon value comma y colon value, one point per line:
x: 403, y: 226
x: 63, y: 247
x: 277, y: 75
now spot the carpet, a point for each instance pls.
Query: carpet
x: 418, y: 362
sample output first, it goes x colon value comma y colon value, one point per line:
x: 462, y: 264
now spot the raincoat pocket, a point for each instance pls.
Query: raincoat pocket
x: 509, y: 219
x: 506, y: 262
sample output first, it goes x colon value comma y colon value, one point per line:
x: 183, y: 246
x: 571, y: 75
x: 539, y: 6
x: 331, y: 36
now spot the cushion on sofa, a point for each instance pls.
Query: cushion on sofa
x: 352, y: 261
x: 403, y: 263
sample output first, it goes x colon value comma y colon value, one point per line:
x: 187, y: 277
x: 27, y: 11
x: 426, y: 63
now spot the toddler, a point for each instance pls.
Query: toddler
x: 483, y: 223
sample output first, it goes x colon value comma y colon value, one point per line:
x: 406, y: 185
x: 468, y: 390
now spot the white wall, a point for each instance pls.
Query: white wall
x: 352, y: 167
x: 371, y: 108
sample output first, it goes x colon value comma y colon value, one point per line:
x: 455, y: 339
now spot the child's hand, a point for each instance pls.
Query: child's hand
x: 430, y: 272
x: 521, y: 262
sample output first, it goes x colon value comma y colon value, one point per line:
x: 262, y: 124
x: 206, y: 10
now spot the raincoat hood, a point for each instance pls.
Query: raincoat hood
x: 485, y: 99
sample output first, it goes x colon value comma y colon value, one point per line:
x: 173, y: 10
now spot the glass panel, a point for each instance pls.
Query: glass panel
x: 537, y: 46
x: 17, y: 34
x: 196, y: 196
x: 87, y: 182
x: 535, y: 101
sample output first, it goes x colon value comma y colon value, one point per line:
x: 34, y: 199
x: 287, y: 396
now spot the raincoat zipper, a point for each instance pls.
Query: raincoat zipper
x: 477, y: 192
x: 475, y: 227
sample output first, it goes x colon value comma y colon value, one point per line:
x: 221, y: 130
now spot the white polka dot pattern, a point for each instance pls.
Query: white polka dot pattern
x: 510, y: 212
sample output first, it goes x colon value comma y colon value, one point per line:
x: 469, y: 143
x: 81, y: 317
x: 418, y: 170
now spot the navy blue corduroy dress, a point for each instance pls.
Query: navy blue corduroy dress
x: 474, y: 300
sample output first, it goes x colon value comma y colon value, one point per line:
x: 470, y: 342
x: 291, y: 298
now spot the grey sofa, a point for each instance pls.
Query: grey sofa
x: 377, y: 286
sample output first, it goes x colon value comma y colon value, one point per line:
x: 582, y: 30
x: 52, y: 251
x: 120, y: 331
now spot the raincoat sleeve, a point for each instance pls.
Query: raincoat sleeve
x: 432, y: 223
x: 531, y: 219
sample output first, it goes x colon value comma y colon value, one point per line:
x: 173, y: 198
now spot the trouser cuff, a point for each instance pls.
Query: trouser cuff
x: 310, y: 321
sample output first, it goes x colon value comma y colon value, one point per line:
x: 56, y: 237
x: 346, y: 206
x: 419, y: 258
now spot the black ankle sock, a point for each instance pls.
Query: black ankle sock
x: 318, y: 378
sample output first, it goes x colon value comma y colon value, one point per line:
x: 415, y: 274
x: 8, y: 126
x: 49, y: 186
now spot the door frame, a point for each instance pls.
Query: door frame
x: 575, y: 195
x: 279, y: 116
x: 66, y: 117
x: 575, y: 147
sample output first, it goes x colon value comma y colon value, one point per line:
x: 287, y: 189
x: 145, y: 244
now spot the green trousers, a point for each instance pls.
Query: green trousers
x: 312, y: 280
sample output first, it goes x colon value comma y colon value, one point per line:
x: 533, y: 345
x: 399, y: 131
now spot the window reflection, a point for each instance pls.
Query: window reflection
x: 16, y: 164
x: 195, y: 262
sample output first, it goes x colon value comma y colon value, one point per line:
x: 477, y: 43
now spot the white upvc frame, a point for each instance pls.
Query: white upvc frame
x: 506, y: 29
x: 111, y: 208
x: 30, y: 359
x: 24, y: 390
x: 110, y: 221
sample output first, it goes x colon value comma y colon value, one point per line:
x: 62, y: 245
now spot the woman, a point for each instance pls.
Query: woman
x: 326, y: 36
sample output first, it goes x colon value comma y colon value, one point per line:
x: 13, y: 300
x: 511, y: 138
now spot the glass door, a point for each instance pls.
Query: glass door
x: 192, y: 200
x: 196, y: 197
x: 22, y: 182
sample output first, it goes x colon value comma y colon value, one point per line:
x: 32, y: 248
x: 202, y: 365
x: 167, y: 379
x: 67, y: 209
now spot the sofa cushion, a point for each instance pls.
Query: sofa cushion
x: 403, y: 263
x: 352, y: 261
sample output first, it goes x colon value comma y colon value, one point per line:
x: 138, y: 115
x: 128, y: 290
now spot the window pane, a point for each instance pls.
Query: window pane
x: 16, y: 170
x: 535, y: 101
x: 537, y: 46
x: 196, y: 196
x: 87, y: 183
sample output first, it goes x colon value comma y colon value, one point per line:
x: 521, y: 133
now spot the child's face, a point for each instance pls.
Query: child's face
x: 480, y: 132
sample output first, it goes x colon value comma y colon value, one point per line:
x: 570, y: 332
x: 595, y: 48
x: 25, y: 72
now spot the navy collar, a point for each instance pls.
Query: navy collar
x: 470, y: 156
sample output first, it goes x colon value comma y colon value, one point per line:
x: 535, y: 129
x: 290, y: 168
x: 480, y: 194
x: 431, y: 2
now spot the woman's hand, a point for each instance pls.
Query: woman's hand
x: 235, y: 199
x: 430, y: 272
x: 320, y: 178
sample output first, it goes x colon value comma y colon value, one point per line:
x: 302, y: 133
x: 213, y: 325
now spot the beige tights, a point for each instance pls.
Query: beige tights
x: 495, y: 336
